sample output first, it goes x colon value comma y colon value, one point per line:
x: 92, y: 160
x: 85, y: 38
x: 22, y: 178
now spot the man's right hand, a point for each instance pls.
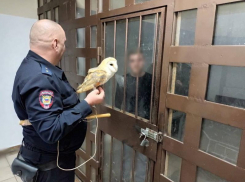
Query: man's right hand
x: 95, y: 97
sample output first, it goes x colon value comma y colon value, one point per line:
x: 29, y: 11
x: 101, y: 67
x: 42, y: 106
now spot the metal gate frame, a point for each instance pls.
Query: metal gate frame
x: 203, y: 54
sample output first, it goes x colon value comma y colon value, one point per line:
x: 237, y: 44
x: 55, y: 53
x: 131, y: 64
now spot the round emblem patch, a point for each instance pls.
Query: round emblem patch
x: 46, y: 98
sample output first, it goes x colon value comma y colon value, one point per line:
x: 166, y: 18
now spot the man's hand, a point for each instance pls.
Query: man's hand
x: 95, y: 97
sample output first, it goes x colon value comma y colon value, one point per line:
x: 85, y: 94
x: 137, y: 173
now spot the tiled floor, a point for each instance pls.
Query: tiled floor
x: 5, y: 171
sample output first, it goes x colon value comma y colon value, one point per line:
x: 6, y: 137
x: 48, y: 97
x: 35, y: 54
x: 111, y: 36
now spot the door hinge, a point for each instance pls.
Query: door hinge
x: 154, y: 135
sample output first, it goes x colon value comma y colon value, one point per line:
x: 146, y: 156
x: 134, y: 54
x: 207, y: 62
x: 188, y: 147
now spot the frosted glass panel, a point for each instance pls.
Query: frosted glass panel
x: 227, y: 85
x: 93, y: 149
x: 206, y: 176
x: 48, y: 15
x: 230, y: 27
x: 40, y: 2
x: 80, y: 37
x: 106, y: 157
x: 141, y: 1
x: 93, y: 7
x: 93, y: 174
x: 93, y: 43
x: 185, y: 27
x: 220, y: 140
x: 141, y: 162
x: 82, y: 96
x: 116, y: 160
x: 81, y: 66
x: 83, y: 147
x: 173, y: 167
x: 181, y: 78
x: 115, y: 4
x: 176, y: 124
x: 128, y: 154
x: 109, y: 52
x: 80, y: 8
x: 83, y: 167
x: 56, y: 14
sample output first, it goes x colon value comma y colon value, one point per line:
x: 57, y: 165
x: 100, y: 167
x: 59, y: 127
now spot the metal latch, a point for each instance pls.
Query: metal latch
x: 148, y: 133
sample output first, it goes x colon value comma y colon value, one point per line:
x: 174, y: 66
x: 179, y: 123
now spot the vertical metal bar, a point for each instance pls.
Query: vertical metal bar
x: 154, y: 64
x: 102, y: 156
x: 114, y: 55
x: 125, y: 67
x: 121, y: 166
x: 137, y: 78
x: 104, y: 40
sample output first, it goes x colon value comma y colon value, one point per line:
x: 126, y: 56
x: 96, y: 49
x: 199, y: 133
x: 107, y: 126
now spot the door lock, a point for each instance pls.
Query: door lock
x: 148, y: 133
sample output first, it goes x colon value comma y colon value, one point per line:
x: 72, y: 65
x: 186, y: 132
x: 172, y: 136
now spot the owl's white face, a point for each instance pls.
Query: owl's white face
x: 112, y: 66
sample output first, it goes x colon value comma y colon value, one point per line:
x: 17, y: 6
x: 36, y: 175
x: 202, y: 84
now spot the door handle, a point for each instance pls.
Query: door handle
x: 148, y: 133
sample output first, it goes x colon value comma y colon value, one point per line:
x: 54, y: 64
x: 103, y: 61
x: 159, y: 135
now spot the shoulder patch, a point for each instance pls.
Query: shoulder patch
x: 46, y: 98
x: 45, y: 70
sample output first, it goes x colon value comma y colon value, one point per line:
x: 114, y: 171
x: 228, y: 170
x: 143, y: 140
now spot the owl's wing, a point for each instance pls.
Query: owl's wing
x: 94, y: 79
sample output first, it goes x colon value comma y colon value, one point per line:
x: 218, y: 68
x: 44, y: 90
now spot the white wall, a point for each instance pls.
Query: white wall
x: 14, y: 45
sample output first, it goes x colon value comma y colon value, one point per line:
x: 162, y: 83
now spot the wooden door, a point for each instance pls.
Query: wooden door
x: 203, y: 101
x: 135, y: 40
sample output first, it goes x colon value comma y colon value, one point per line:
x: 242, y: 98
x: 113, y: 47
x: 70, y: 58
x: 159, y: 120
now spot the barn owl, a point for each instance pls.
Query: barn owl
x: 99, y: 75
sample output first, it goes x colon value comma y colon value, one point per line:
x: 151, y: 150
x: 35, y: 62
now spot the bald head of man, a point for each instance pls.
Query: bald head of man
x: 47, y: 39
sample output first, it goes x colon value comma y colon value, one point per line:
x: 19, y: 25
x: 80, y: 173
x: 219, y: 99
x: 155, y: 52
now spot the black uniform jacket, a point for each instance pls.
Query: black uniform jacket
x: 42, y: 94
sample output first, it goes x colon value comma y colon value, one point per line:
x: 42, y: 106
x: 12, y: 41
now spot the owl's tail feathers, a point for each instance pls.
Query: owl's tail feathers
x: 83, y: 88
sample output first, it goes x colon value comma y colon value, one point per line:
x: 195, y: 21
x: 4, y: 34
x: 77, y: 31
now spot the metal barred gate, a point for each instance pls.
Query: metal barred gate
x: 194, y: 54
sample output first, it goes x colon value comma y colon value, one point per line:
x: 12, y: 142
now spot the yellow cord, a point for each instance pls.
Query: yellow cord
x: 58, y: 153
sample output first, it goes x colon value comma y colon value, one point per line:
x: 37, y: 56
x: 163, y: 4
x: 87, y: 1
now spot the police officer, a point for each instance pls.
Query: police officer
x: 42, y: 94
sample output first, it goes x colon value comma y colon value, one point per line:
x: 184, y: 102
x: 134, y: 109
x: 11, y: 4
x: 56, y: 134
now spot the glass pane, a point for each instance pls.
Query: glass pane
x: 128, y: 154
x: 116, y: 160
x: 83, y: 167
x: 93, y: 7
x: 93, y: 63
x: 41, y: 16
x: 81, y: 96
x: 56, y: 14
x: 141, y: 162
x: 40, y: 2
x: 48, y: 1
x: 220, y: 140
x: 80, y: 37
x: 100, y: 9
x: 115, y: 4
x: 141, y: 1
x: 93, y: 175
x: 93, y: 149
x: 206, y: 176
x: 80, y: 8
x: 83, y: 147
x: 181, y: 78
x: 134, y: 57
x: 120, y: 56
x: 176, y: 126
x: 185, y: 27
x: 141, y: 65
x: 106, y: 157
x: 109, y: 52
x: 93, y: 37
x: 227, y: 85
x: 172, y: 167
x: 230, y: 27
x: 81, y: 66
x: 48, y: 15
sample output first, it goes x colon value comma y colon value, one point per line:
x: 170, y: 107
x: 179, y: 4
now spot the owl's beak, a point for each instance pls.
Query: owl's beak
x: 115, y: 67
